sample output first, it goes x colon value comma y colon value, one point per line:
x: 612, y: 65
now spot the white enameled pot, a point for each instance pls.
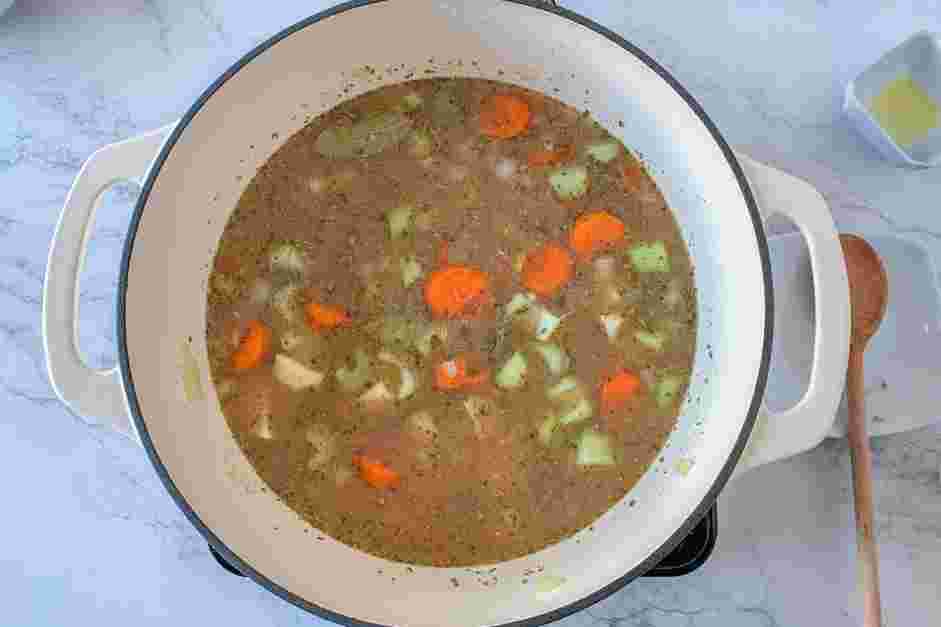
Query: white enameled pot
x: 193, y: 173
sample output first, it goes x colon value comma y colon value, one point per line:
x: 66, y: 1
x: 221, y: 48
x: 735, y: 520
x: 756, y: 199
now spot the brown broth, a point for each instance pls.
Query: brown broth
x: 473, y: 492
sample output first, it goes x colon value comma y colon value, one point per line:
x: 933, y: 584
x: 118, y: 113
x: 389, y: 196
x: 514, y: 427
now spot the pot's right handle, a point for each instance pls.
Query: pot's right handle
x: 89, y: 392
x: 803, y: 426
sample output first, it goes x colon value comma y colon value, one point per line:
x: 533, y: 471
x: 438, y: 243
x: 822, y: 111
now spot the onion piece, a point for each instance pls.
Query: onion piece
x: 378, y: 399
x: 555, y: 357
x: 505, y: 168
x: 294, y: 374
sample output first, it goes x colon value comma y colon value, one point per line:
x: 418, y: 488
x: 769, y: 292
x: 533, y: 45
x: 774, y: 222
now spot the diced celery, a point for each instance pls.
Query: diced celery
x: 512, y: 374
x: 519, y: 303
x: 667, y: 391
x: 353, y: 379
x: 426, y: 338
x: 650, y: 257
x: 411, y: 271
x: 397, y: 332
x: 286, y: 257
x: 294, y: 374
x: 570, y: 182
x: 611, y: 323
x: 653, y: 341
x: 557, y: 361
x: 547, y: 429
x: 581, y: 410
x: 603, y: 151
x: 368, y: 137
x: 412, y: 101
x: 400, y: 220
x: 593, y: 449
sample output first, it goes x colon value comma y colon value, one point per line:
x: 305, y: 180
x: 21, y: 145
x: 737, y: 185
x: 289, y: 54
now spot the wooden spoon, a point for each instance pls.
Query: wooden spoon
x: 869, y: 293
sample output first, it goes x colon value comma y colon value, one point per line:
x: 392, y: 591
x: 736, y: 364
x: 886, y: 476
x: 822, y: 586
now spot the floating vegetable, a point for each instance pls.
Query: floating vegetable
x: 446, y: 108
x: 547, y: 429
x: 453, y: 374
x: 400, y: 221
x: 294, y: 374
x: 649, y: 339
x: 667, y: 391
x: 375, y: 473
x: 412, y: 101
x: 371, y: 136
x: 569, y: 183
x: 421, y: 144
x: 286, y: 257
x: 353, y: 379
x: 253, y: 346
x: 593, y: 449
x: 594, y: 232
x: 542, y: 158
x: 557, y: 361
x: 434, y: 332
x: 603, y: 151
x: 650, y: 257
x: 456, y: 291
x: 512, y: 374
x: 324, y: 317
x: 579, y: 411
x: 547, y: 269
x: 410, y: 270
x: 618, y: 390
x: 504, y: 116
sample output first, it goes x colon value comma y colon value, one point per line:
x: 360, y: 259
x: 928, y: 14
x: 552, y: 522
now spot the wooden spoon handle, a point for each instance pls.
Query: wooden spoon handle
x: 861, y: 456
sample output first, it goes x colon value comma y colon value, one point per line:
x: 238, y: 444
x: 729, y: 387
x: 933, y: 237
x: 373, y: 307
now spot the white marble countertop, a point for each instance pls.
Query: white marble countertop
x: 90, y: 537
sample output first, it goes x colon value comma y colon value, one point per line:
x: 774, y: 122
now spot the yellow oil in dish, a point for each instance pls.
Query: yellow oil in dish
x: 905, y: 110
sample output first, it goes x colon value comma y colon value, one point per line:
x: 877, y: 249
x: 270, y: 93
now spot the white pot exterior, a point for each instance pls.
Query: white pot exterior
x: 211, y: 157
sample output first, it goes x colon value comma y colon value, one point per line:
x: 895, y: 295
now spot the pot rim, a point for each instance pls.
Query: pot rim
x: 656, y: 556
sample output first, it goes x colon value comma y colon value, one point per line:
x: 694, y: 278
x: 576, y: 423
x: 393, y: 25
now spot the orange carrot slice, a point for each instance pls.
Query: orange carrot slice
x: 253, y: 346
x: 375, y: 473
x: 594, y: 232
x: 455, y: 291
x: 322, y: 317
x: 542, y: 158
x: 503, y: 116
x: 453, y: 375
x: 618, y: 390
x: 547, y: 269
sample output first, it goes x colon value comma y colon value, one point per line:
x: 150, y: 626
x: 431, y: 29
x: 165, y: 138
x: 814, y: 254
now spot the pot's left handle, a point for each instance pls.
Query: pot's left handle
x: 89, y: 392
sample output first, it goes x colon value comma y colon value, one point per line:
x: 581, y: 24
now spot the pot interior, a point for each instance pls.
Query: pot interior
x: 229, y: 133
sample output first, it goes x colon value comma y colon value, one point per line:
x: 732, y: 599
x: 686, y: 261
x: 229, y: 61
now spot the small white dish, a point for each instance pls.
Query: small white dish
x: 902, y: 365
x: 918, y: 57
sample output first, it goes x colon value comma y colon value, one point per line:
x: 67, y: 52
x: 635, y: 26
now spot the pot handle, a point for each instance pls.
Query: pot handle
x: 89, y: 392
x: 806, y: 424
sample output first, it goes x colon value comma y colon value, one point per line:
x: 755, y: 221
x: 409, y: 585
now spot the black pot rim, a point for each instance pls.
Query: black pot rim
x: 533, y: 621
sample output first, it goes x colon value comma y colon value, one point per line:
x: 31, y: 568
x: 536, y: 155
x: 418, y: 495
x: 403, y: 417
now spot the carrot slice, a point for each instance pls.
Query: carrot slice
x: 253, y: 346
x: 547, y: 269
x: 594, y: 232
x: 453, y: 375
x: 542, y: 158
x: 321, y: 317
x: 503, y: 116
x: 375, y: 473
x: 456, y: 291
x: 618, y: 390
